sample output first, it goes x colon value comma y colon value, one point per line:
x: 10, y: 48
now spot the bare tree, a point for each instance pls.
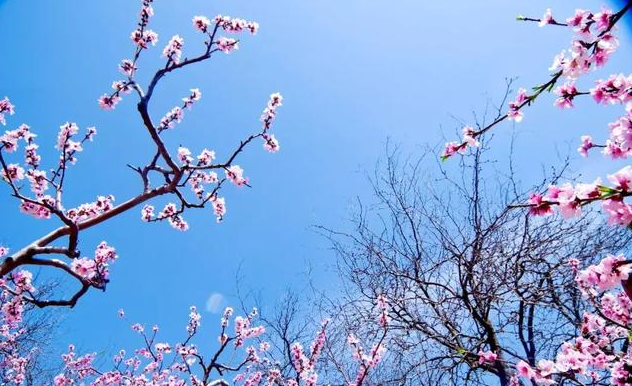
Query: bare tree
x: 286, y: 324
x: 462, y: 271
x: 35, y: 341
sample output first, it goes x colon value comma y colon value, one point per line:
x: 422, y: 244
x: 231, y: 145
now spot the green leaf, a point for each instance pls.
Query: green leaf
x: 606, y: 190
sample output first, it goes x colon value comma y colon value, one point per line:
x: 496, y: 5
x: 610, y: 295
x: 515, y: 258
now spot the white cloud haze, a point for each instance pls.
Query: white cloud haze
x: 214, y: 303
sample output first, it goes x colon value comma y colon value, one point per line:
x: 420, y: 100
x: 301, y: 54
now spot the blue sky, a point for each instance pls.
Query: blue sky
x: 353, y: 73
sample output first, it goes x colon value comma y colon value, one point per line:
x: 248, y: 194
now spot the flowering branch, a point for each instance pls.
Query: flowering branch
x: 174, y: 171
x: 587, y: 51
x: 242, y: 354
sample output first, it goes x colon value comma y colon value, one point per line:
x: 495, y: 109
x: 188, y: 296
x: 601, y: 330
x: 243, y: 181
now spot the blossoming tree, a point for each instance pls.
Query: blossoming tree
x: 600, y: 353
x: 193, y: 182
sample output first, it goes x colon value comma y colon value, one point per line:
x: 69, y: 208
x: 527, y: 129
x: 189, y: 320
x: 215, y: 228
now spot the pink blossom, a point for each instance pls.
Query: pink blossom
x: 91, y: 210
x: 193, y: 97
x: 546, y: 367
x: 566, y: 198
x: 468, y: 136
x: 120, y: 86
x: 91, y: 132
x: 127, y: 67
x: 107, y: 102
x: 514, y: 107
x: 620, y: 143
x: 270, y: 143
x: 317, y: 345
x: 585, y: 191
x: 614, y: 150
x: 138, y: 327
x: 39, y: 211
x: 298, y: 357
x: 201, y: 23
x: 5, y: 108
x: 84, y: 267
x: 580, y: 19
x: 147, y: 213
x: 12, y: 311
x: 605, y: 275
x: 171, y: 118
x: 219, y: 207
x: 603, y: 18
x: 66, y: 131
x: 269, y: 113
x: 524, y: 370
x: 451, y: 148
x: 171, y: 213
x: 618, y: 212
x: 622, y: 180
x: 606, y: 46
x: 22, y: 280
x: 546, y: 19
x: 253, y: 27
x: 9, y: 140
x: 184, y: 155
x: 616, y: 89
x: 144, y: 38
x: 228, y: 312
x: 31, y: 157
x: 227, y: 44
x: 566, y: 94
x: 486, y: 357
x: 173, y: 49
x: 539, y: 206
x: 235, y: 175
x: 586, y: 145
x: 574, y: 63
x: 244, y: 330
x: 236, y: 25
x: 96, y: 269
x: 38, y: 181
x: 146, y: 11
x: 206, y: 157
x: 198, y: 179
x: 12, y: 173
x: 178, y: 223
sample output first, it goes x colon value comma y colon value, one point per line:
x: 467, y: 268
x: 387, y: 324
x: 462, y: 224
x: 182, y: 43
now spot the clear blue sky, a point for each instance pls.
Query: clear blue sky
x: 352, y: 72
